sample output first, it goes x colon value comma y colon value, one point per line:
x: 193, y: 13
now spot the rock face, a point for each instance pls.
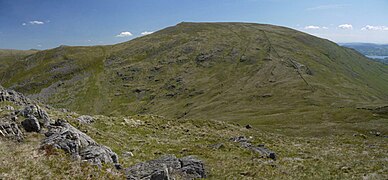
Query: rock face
x: 85, y: 119
x: 62, y: 135
x: 31, y: 124
x: 167, y: 167
x: 10, y: 130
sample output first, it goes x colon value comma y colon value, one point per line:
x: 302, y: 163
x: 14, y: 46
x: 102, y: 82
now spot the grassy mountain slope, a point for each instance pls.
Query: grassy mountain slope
x: 227, y: 71
x: 10, y: 56
x: 147, y: 137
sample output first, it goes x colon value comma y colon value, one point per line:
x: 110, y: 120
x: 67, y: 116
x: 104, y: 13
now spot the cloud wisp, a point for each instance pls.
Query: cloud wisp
x: 146, y: 33
x: 346, y: 26
x: 315, y: 27
x: 36, y: 22
x: 374, y: 28
x: 327, y: 7
x: 124, y: 34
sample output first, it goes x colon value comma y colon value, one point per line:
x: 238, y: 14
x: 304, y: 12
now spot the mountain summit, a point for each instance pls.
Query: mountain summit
x: 226, y: 71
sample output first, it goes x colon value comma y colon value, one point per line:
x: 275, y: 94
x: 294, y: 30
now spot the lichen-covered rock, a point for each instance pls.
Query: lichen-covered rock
x: 31, y: 124
x: 62, y: 135
x: 167, y: 167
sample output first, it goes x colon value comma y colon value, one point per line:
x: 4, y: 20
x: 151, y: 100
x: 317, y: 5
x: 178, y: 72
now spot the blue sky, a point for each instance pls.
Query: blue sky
x: 43, y: 24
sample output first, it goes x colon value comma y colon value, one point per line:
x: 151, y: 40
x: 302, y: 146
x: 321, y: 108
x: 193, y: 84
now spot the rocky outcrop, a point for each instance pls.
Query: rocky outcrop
x: 62, y: 135
x: 167, y: 167
x: 13, y: 96
x: 10, y: 130
x: 260, y: 149
x: 33, y: 110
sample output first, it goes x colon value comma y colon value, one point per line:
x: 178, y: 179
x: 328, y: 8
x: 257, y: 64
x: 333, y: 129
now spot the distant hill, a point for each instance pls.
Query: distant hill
x: 376, y: 52
x: 226, y: 71
x: 368, y: 48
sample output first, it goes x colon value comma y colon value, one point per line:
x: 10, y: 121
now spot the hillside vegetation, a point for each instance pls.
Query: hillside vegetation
x: 262, y: 74
x: 141, y: 138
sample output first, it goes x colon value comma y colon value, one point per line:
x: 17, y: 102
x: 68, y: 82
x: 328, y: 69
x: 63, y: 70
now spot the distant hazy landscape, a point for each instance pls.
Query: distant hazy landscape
x: 378, y: 52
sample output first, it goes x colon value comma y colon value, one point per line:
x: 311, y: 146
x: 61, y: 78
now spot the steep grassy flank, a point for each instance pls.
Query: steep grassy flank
x: 225, y: 71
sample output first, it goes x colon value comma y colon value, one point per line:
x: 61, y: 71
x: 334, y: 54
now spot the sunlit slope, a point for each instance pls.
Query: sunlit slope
x: 227, y: 71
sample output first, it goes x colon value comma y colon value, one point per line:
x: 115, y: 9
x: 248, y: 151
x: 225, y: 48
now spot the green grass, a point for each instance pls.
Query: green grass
x: 343, y: 155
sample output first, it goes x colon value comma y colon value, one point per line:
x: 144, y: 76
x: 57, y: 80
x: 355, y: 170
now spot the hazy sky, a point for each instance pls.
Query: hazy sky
x: 42, y: 24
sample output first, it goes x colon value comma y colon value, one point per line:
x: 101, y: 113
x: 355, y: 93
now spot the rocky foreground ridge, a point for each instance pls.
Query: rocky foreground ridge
x: 59, y: 134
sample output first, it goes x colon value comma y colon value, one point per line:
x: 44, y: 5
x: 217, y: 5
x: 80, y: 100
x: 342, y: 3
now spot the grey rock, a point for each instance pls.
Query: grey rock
x: 37, y: 112
x: 246, y: 143
x: 14, y: 97
x: 85, y: 119
x: 31, y: 124
x: 203, y: 57
x: 10, y: 130
x: 9, y: 108
x: 167, y: 167
x: 217, y: 146
x: 192, y: 167
x: 62, y: 135
x: 98, y: 154
x: 128, y: 154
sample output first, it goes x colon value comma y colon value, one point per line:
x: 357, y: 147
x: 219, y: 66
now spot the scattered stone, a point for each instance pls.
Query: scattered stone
x: 85, y: 119
x: 217, y: 146
x: 167, y: 167
x: 9, y: 108
x: 62, y: 135
x: 246, y: 143
x: 128, y: 154
x: 375, y: 133
x: 360, y: 135
x: 266, y: 95
x: 203, y: 57
x: 31, y: 124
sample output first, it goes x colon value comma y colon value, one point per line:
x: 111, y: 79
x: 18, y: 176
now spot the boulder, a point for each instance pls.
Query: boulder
x: 31, y: 124
x: 37, y: 112
x: 62, y: 135
x: 167, y: 167
x: 85, y: 119
x: 98, y: 154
